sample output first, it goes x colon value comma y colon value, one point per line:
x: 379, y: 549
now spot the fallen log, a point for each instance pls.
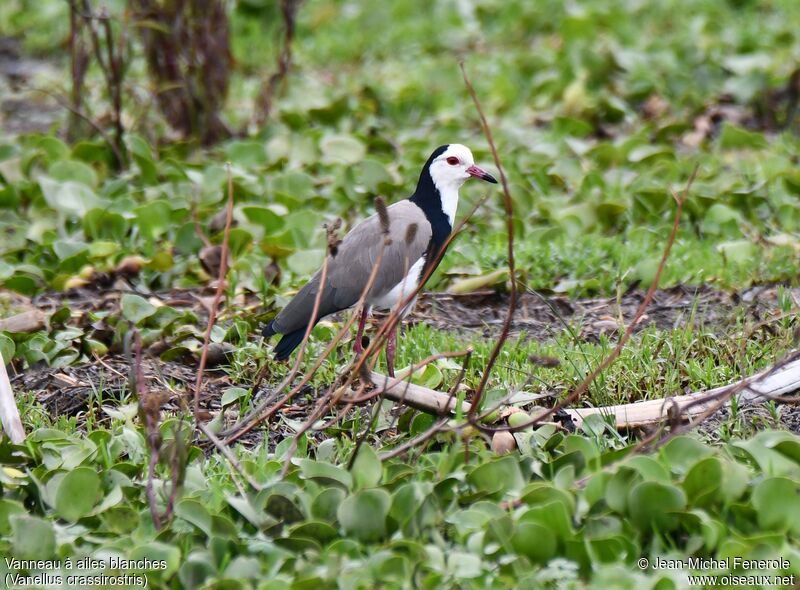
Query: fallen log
x: 777, y: 381
x: 27, y: 321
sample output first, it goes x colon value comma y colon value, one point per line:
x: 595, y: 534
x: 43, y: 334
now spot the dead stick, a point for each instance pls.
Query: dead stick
x: 769, y: 384
x: 609, y: 360
x: 509, y: 207
x: 212, y: 314
x: 8, y: 408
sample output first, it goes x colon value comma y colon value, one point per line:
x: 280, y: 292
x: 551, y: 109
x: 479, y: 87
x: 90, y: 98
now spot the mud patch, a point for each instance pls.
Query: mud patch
x: 543, y: 316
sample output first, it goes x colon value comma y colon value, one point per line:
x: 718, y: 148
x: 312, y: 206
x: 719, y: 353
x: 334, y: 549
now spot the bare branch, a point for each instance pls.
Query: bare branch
x: 223, y: 272
x: 509, y: 207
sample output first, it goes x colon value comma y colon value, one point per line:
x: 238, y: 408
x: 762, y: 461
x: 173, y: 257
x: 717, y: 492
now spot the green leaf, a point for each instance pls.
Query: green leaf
x: 7, y: 348
x: 153, y: 218
x: 653, y: 505
x: 497, y: 476
x: 777, y: 502
x: 305, y: 262
x: 232, y: 394
x: 68, y: 197
x: 363, y: 514
x: 733, y: 137
x: 246, y: 153
x: 682, y: 452
x: 143, y: 156
x: 136, y: 308
x: 325, y: 473
x: 32, y: 537
x: 342, y: 149
x: 102, y: 224
x: 63, y: 170
x: 366, y: 468
x: 9, y: 508
x: 193, y: 511
x: 156, y: 550
x: 77, y: 493
x: 265, y: 217
x: 738, y: 251
x: 535, y: 541
x: 703, y: 481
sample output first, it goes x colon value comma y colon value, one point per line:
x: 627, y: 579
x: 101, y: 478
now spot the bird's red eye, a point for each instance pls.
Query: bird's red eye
x: 452, y: 160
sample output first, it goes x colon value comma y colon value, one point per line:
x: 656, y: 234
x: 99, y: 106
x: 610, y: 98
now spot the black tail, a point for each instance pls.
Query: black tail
x: 288, y: 343
x: 269, y: 331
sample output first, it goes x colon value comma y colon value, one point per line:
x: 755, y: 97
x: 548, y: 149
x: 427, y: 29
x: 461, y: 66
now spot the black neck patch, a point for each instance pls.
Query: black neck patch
x: 427, y: 198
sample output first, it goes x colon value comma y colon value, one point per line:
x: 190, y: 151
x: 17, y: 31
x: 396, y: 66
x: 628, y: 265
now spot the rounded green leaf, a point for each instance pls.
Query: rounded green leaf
x: 136, y: 308
x: 535, y: 541
x: 32, y: 537
x: 363, y: 515
x: 777, y: 502
x: 703, y: 481
x: 77, y: 493
x: 652, y: 504
x: 366, y: 468
x: 342, y: 149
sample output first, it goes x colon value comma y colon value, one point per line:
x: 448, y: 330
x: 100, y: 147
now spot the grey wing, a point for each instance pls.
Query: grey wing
x: 349, y: 271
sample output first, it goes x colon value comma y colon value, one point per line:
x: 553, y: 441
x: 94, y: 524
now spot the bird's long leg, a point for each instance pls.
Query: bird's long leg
x: 391, y: 343
x: 358, y: 347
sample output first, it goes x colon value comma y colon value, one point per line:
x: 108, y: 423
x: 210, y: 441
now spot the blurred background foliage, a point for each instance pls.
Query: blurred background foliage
x: 600, y: 110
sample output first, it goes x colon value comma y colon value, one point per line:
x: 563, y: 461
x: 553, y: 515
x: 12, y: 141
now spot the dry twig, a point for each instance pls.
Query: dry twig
x: 223, y: 272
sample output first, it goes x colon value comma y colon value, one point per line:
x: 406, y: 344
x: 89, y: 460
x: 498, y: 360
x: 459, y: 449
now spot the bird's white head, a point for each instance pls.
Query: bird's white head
x: 450, y: 169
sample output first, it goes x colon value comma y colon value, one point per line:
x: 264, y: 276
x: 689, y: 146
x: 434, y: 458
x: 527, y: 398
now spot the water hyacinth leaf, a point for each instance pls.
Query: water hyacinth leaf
x: 342, y: 149
x: 77, y: 493
x: 326, y: 503
x: 738, y: 251
x: 305, y: 262
x: 703, y: 481
x: 136, y: 308
x: 7, y: 348
x: 157, y: 551
x: 682, y: 452
x: 654, y: 504
x: 64, y: 170
x: 366, y: 468
x: 535, y: 541
x: 68, y: 197
x: 497, y: 476
x: 193, y: 511
x: 265, y: 217
x: 32, y: 537
x: 296, y: 185
x: 363, y: 514
x: 733, y: 137
x: 153, y: 218
x: 103, y: 224
x: 143, y: 156
x: 246, y: 153
x: 325, y: 473
x: 777, y: 502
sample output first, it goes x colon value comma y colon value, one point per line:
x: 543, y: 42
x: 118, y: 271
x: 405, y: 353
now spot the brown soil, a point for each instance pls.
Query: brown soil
x: 72, y: 390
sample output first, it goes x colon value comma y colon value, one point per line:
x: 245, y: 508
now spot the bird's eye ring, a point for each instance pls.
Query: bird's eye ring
x: 452, y: 160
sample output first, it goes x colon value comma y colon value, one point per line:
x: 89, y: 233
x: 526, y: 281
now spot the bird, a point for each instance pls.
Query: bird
x: 406, y: 239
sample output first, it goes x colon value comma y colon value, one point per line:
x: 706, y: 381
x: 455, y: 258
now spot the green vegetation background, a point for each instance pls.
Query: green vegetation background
x: 599, y: 108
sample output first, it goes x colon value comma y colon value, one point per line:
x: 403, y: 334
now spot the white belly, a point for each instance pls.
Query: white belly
x: 401, y: 291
